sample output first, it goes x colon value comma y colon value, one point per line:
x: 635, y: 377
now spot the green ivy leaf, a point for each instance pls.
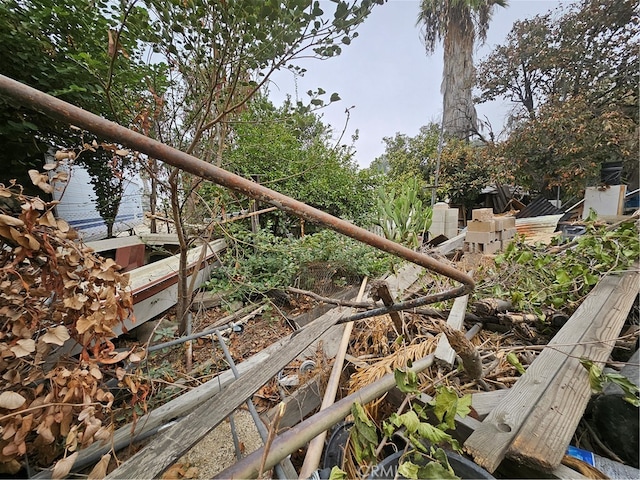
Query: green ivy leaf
x: 363, y: 424
x: 435, y: 470
x: 596, y: 380
x: 433, y: 434
x: 409, y: 420
x: 629, y: 388
x: 407, y: 382
x: 512, y: 358
x: 337, y: 474
x: 409, y: 470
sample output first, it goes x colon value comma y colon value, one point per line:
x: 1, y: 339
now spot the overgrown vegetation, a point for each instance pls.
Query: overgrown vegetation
x: 417, y: 430
x: 537, y: 278
x: 254, y: 264
x: 56, y: 295
x: 401, y: 214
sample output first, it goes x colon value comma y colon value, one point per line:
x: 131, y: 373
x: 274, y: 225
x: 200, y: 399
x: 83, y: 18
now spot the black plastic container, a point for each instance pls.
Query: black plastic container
x: 462, y: 467
x: 611, y: 173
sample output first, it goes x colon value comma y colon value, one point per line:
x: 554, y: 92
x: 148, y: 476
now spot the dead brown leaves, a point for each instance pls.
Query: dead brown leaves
x: 54, y: 292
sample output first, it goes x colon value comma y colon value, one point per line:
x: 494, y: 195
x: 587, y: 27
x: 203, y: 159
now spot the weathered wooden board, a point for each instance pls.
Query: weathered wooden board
x: 406, y: 277
x: 541, y: 410
x: 455, y: 320
x: 545, y: 436
x: 170, y: 445
x: 298, y: 405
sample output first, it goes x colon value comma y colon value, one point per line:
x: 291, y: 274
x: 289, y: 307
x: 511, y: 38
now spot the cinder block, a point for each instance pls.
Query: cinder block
x: 506, y: 234
x: 505, y: 243
x: 482, y: 214
x: 481, y: 226
x: 484, y: 248
x: 436, y: 228
x: 503, y: 223
x: 480, y: 237
x: 452, y: 216
x: 492, y: 247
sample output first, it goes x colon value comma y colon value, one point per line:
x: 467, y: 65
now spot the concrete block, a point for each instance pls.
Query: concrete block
x: 439, y: 215
x: 480, y: 237
x: 506, y: 234
x: 482, y: 214
x: 452, y: 217
x: 436, y: 228
x: 484, y: 248
x: 504, y: 223
x: 481, y: 226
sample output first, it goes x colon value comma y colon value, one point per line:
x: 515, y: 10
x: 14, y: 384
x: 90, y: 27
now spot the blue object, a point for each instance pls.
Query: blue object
x: 584, y: 455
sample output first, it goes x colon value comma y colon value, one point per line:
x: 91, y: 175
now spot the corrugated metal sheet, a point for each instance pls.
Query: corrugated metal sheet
x: 538, y: 207
x: 535, y: 225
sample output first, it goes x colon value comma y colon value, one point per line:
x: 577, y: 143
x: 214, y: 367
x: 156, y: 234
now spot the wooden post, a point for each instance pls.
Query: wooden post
x: 380, y: 291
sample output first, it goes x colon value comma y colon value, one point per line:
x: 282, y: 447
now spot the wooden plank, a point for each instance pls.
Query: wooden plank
x: 176, y: 408
x: 380, y: 290
x: 171, y: 444
x: 546, y: 434
x: 490, y: 443
x: 299, y: 404
x: 455, y: 320
x: 450, y: 245
x: 484, y: 402
x: 406, y: 276
x: 114, y: 243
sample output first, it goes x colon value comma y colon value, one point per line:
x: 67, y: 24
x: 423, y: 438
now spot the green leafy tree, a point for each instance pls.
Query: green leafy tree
x: 465, y: 170
x: 573, y: 80
x: 88, y: 54
x: 458, y: 24
x: 588, y: 49
x: 220, y: 55
x: 407, y: 157
x: 290, y: 150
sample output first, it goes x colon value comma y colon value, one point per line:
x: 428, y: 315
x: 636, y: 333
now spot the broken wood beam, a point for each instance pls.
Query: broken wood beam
x: 304, y: 400
x: 488, y: 307
x: 380, y: 291
x: 535, y: 421
x: 316, y: 445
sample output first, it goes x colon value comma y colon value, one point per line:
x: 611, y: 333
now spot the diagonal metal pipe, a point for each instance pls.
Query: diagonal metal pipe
x: 73, y: 115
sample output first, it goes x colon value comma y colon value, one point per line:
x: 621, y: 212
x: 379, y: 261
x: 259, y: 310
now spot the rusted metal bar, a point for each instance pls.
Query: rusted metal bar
x: 73, y: 115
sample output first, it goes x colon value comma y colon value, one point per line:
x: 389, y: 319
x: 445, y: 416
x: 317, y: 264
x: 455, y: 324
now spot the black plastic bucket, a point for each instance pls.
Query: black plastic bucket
x: 462, y: 467
x: 611, y: 173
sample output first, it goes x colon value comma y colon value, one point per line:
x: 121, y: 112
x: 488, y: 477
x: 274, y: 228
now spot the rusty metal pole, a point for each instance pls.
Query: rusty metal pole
x: 73, y: 115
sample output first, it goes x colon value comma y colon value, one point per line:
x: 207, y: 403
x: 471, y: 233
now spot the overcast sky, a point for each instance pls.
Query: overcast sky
x: 387, y: 77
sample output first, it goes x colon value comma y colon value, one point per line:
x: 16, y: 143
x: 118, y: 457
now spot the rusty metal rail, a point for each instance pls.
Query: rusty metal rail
x: 73, y: 115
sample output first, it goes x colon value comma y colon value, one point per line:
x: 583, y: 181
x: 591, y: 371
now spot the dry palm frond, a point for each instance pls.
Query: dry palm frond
x: 372, y: 336
x: 398, y: 359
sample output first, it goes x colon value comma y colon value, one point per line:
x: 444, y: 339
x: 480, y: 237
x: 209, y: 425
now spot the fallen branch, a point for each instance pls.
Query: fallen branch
x: 465, y: 349
x: 488, y: 307
x: 333, y: 301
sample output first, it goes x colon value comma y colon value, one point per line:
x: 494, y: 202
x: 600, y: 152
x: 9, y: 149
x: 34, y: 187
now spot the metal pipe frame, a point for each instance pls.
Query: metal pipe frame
x: 67, y: 113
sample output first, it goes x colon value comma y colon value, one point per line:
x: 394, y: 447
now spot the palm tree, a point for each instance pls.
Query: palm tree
x: 457, y: 23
